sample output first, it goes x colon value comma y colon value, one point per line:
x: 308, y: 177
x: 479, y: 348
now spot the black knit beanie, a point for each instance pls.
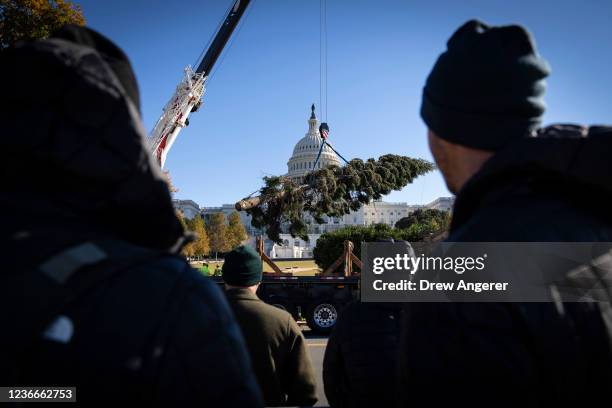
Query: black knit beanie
x: 487, y: 88
x: 242, y: 267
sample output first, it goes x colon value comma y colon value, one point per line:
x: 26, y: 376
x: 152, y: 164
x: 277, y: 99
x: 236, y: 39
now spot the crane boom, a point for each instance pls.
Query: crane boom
x: 188, y: 95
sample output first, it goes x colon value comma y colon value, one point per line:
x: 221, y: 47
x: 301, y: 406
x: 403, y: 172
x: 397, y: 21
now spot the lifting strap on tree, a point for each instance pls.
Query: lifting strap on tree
x: 324, y: 132
x: 335, y: 151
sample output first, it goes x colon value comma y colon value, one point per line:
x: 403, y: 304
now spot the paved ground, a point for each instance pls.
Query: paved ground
x: 316, y: 348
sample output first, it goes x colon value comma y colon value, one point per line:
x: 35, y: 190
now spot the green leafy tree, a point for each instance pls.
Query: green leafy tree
x: 35, y: 19
x: 236, y: 233
x: 217, y: 233
x: 436, y: 218
x: 331, y: 244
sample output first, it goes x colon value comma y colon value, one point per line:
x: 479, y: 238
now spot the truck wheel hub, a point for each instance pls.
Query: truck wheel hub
x: 325, y: 315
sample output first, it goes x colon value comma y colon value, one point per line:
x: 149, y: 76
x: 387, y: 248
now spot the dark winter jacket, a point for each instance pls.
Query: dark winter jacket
x: 360, y: 364
x: 92, y: 293
x: 556, y: 187
x: 277, y: 348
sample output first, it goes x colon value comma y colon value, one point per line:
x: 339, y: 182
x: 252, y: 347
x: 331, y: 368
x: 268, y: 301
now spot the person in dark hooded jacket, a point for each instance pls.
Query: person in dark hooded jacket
x: 360, y: 362
x: 515, y: 182
x: 93, y: 291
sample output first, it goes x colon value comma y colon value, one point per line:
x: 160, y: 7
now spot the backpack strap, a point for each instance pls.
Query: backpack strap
x: 35, y: 296
x: 61, y: 267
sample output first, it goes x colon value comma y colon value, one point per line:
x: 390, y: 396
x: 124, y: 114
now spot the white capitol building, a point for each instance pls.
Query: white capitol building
x: 306, y: 150
x: 301, y: 162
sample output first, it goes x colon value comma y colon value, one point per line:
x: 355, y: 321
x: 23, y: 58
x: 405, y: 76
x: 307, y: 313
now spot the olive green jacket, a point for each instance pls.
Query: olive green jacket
x: 277, y: 348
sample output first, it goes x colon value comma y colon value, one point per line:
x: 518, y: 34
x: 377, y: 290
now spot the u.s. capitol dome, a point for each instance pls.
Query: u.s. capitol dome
x: 306, y: 150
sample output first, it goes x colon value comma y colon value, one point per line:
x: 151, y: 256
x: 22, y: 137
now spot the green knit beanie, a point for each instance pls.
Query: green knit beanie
x: 242, y: 267
x: 487, y: 88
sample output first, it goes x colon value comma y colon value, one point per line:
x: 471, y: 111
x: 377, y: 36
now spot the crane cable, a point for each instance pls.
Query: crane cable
x: 323, y: 128
x: 323, y: 59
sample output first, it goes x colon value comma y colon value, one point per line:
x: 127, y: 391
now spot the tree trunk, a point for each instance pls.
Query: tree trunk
x: 248, y: 203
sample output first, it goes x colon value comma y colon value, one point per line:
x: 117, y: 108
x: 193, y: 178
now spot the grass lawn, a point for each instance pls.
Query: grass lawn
x: 297, y: 268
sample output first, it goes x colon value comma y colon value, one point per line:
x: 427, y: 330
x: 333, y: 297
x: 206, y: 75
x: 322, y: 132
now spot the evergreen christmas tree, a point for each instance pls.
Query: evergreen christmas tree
x: 333, y: 191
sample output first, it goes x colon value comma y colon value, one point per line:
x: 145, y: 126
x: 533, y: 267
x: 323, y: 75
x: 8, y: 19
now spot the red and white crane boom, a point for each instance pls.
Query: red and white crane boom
x: 188, y: 95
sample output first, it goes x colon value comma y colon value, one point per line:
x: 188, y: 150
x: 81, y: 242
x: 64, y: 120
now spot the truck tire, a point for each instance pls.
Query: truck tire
x: 322, y: 316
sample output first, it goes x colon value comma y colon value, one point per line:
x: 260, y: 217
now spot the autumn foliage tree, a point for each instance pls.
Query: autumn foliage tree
x: 201, y: 246
x: 171, y: 186
x: 217, y: 233
x: 236, y: 233
x: 187, y: 249
x: 35, y: 19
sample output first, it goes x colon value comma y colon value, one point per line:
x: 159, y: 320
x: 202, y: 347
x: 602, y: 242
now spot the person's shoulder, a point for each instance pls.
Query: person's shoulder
x: 169, y: 266
x: 273, y: 312
x: 490, y: 224
x: 275, y: 317
x: 174, y: 271
x: 513, y: 218
x: 531, y: 218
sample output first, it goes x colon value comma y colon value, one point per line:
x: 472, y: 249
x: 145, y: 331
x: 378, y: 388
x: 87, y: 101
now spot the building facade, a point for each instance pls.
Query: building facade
x: 189, y: 208
x: 442, y: 203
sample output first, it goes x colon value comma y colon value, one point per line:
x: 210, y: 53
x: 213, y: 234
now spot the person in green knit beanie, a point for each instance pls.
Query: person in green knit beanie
x: 242, y: 267
x: 274, y: 340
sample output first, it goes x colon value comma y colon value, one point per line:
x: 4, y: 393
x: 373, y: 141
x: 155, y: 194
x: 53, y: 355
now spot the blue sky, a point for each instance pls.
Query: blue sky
x: 379, y: 54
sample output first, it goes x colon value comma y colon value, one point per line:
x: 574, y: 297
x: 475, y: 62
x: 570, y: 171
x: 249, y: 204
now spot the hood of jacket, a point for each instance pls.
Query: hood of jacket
x: 75, y: 156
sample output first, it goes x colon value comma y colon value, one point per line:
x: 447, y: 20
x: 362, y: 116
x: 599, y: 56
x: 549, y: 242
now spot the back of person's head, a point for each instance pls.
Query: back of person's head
x: 487, y: 88
x: 242, y: 267
x: 75, y: 149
